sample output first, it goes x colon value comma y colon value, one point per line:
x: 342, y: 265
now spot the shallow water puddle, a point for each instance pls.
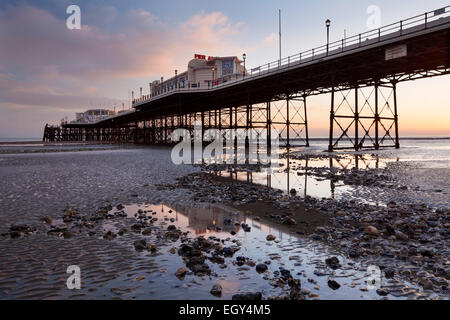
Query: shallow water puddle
x: 303, y: 257
x: 310, y: 175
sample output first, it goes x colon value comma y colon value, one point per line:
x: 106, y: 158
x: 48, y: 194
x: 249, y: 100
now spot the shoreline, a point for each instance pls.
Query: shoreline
x: 5, y: 141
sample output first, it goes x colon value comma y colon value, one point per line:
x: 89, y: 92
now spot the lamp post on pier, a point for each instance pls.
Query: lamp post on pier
x: 327, y: 24
x: 176, y: 81
x: 212, y: 80
x: 244, y: 56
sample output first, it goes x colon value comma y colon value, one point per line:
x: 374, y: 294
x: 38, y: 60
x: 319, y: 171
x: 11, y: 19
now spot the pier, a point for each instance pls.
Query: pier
x: 360, y: 73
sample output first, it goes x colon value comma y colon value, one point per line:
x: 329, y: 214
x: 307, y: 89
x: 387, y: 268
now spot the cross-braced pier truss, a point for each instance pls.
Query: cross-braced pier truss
x: 361, y: 75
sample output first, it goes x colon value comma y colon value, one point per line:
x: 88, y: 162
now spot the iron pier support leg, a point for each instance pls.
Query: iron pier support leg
x: 288, y: 124
x: 250, y: 116
x: 202, y: 115
x: 356, y: 119
x: 269, y: 126
x: 145, y: 132
x: 247, y: 126
x: 231, y: 119
x: 136, y: 128
x: 155, y: 130
x: 397, y: 140
x: 44, y: 138
x: 231, y: 131
x: 306, y: 121
x: 191, y: 125
x: 165, y: 130
x: 377, y: 118
x: 330, y: 143
x: 235, y: 129
x: 172, y: 129
x: 215, y: 118
x: 209, y: 119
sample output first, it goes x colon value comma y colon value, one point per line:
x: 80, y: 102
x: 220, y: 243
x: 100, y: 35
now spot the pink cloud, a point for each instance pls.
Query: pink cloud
x: 38, y: 43
x: 270, y: 39
x: 212, y: 32
x: 46, y: 66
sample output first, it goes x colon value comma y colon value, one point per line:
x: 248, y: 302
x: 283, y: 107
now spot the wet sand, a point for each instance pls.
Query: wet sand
x: 40, y: 185
x: 36, y: 186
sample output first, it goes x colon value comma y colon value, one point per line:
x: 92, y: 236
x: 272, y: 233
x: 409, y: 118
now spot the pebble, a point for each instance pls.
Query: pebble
x: 371, y: 230
x: 382, y: 292
x: 251, y: 296
x: 261, y: 267
x: 401, y: 236
x: 306, y: 291
x: 333, y: 284
x: 140, y: 245
x: 216, y: 290
x: 181, y: 272
x: 333, y: 262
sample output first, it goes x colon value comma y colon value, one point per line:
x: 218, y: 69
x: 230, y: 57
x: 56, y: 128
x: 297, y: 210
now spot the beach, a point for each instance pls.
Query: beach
x: 141, y: 227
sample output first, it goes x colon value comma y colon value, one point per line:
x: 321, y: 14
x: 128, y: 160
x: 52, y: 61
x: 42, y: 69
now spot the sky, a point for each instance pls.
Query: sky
x: 48, y: 72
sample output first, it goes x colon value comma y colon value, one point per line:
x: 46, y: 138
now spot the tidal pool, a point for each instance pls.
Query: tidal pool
x: 153, y: 274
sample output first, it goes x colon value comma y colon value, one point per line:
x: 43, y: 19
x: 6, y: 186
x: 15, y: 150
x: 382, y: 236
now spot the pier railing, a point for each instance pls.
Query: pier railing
x: 427, y: 20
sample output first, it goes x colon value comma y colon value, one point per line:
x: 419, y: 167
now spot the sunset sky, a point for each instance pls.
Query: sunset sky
x: 48, y: 72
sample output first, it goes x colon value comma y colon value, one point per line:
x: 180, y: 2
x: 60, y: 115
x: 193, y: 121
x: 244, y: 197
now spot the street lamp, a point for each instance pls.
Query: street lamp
x: 244, y: 56
x: 328, y: 23
x: 212, y: 81
x: 176, y: 82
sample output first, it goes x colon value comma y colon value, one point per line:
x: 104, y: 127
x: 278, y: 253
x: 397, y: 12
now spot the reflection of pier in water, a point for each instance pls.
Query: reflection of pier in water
x: 209, y: 217
x: 303, y: 175
x: 203, y: 220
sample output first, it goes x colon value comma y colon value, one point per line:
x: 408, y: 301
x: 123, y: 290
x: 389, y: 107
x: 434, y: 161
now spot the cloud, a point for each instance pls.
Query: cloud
x: 270, y: 39
x: 37, y: 43
x: 45, y: 65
